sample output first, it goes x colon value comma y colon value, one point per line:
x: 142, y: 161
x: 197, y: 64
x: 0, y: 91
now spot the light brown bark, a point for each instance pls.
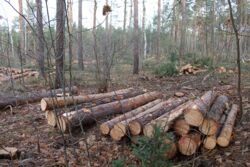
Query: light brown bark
x: 166, y: 120
x: 107, y: 126
x: 225, y: 135
x: 49, y: 103
x: 211, y: 122
x: 194, y: 115
x: 74, y: 119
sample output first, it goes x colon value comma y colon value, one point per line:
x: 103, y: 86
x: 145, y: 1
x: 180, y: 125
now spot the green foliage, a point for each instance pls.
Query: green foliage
x: 204, y: 62
x: 118, y: 163
x: 173, y: 57
x: 168, y: 69
x: 151, y: 151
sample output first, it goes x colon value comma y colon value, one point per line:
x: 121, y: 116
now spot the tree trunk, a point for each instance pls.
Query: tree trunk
x: 40, y: 39
x: 158, y: 30
x: 165, y: 121
x: 136, y: 126
x: 181, y: 127
x: 107, y: 126
x: 59, y: 55
x: 88, y: 116
x: 238, y: 57
x: 189, y: 144
x: 211, y: 123
x: 58, y: 102
x: 125, y: 16
x: 194, y: 115
x: 80, y: 44
x: 31, y: 98
x: 225, y: 135
x: 21, y: 22
x: 183, y: 30
x: 136, y: 39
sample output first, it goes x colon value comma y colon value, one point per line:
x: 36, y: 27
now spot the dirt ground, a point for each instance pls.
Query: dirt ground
x: 25, y: 128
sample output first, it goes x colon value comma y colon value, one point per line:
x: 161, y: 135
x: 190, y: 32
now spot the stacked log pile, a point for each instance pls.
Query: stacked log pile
x: 206, y: 121
x: 190, y: 69
x: 13, y: 73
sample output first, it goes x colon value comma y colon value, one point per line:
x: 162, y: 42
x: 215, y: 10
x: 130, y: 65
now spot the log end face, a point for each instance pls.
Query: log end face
x: 148, y: 130
x: 51, y: 118
x: 43, y: 105
x: 171, y: 150
x: 222, y: 141
x: 104, y: 128
x: 115, y: 134
x: 209, y: 142
x: 193, y: 116
x: 209, y: 127
x: 135, y: 128
x: 187, y: 146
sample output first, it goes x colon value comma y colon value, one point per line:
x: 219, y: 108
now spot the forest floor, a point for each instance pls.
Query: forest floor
x: 25, y: 128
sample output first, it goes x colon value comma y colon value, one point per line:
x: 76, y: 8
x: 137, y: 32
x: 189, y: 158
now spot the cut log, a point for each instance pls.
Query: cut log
x: 181, y: 127
x: 210, y: 124
x: 89, y: 116
x: 32, y: 97
x: 210, y: 141
x: 48, y: 103
x: 165, y: 121
x: 225, y: 135
x: 136, y: 125
x: 8, y: 153
x: 107, y: 126
x: 51, y: 118
x: 188, y: 144
x: 171, y: 150
x: 120, y: 129
x: 194, y: 114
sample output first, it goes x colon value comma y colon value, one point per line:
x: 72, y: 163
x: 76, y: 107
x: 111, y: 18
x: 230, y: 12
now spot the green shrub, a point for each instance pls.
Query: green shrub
x: 118, y: 163
x: 168, y: 69
x: 152, y: 151
x: 204, y: 62
x: 173, y: 58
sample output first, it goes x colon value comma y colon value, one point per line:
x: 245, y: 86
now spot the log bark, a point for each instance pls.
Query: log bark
x: 49, y: 103
x: 181, y: 127
x: 211, y: 122
x: 210, y: 141
x: 188, y: 144
x: 165, y: 121
x: 225, y: 135
x: 195, y: 113
x: 107, y: 126
x: 89, y: 116
x: 120, y: 129
x: 32, y: 97
x: 136, y: 126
